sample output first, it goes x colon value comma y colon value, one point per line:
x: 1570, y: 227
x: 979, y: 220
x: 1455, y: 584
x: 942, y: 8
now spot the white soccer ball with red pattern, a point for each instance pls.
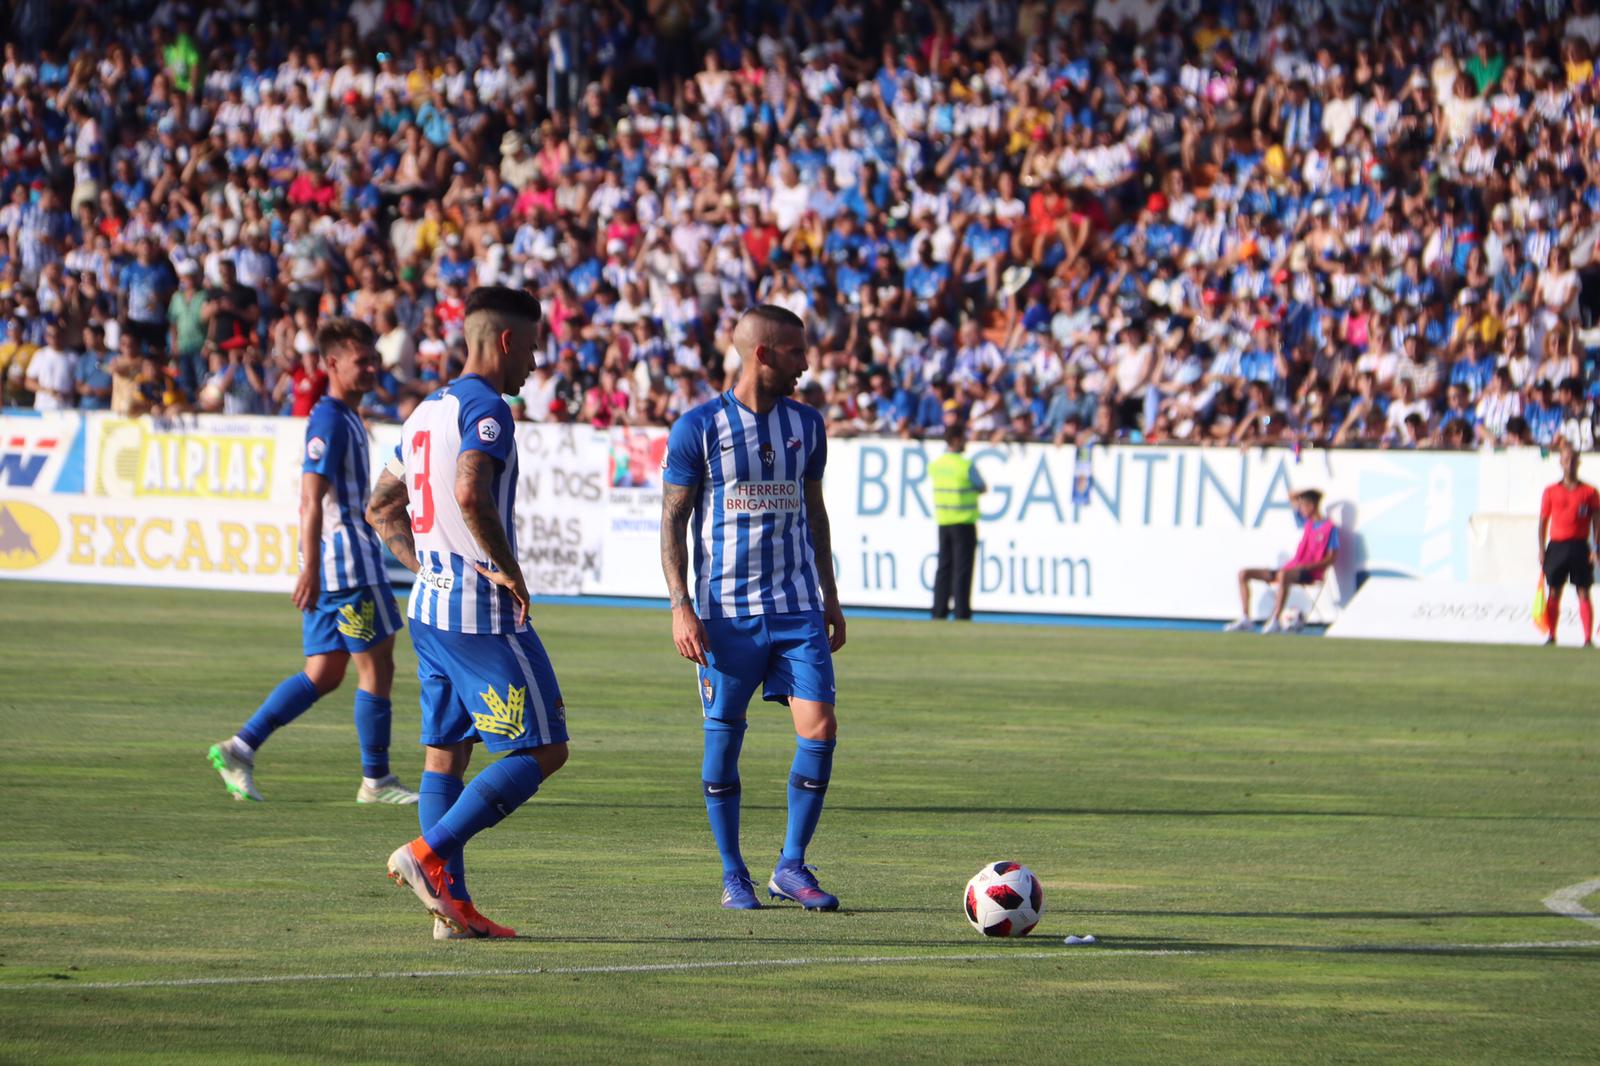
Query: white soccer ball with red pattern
x: 1004, y: 899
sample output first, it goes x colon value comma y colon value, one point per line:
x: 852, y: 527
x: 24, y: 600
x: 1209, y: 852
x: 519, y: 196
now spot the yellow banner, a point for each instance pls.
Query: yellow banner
x: 250, y: 460
x: 196, y: 545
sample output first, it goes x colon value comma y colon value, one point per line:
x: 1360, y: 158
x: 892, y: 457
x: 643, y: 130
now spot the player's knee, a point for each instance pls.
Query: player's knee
x: 327, y: 672
x: 376, y: 674
x: 550, y: 757
x: 823, y: 727
x: 450, y: 760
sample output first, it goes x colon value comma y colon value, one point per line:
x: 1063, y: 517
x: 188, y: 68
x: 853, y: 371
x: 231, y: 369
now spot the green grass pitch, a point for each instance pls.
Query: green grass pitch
x: 1222, y: 812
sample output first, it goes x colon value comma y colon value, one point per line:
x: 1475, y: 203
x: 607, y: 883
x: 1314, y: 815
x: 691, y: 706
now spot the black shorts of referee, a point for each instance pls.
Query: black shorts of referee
x: 1568, y: 560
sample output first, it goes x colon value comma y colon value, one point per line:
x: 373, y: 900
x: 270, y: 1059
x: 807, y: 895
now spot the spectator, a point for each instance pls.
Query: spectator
x: 231, y: 310
x: 1318, y: 547
x: 93, y: 375
x: 16, y: 353
x: 304, y: 385
x: 396, y: 348
x: 53, y: 373
x: 127, y: 397
x: 186, y: 317
x: 145, y: 287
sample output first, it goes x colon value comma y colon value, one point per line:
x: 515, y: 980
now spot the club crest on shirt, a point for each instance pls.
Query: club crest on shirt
x: 488, y: 430
x: 316, y: 448
x: 768, y: 456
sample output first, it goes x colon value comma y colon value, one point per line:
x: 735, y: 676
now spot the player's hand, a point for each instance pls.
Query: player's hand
x: 833, y: 618
x: 513, y: 584
x: 305, y: 590
x: 689, y: 634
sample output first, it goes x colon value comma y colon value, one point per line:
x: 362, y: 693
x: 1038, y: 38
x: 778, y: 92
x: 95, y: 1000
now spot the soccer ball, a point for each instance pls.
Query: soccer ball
x: 1004, y: 899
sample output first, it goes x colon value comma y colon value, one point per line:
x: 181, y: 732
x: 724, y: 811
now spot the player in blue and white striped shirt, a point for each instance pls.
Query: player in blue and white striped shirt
x: 747, y: 468
x: 446, y: 507
x: 343, y: 593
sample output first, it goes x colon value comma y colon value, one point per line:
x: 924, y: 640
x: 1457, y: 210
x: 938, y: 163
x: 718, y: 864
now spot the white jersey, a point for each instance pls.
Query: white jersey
x: 450, y: 594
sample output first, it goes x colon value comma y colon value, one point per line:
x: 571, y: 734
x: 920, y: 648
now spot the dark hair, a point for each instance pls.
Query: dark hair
x: 335, y: 332
x: 1310, y: 494
x: 499, y: 299
x: 777, y: 316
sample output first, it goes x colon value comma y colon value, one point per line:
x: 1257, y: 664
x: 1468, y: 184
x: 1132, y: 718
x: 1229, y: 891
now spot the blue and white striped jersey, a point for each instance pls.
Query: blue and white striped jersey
x: 465, y: 415
x: 336, y: 448
x: 752, y: 545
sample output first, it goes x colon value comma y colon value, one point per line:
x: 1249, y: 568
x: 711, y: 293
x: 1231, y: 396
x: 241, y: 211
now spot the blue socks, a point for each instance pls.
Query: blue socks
x: 437, y: 794
x: 295, y: 695
x: 292, y: 698
x: 808, y: 784
x: 496, y: 792
x: 372, y: 727
x: 719, y: 777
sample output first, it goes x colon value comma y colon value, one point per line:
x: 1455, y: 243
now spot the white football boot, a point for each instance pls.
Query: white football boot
x: 386, y: 790
x: 238, y: 773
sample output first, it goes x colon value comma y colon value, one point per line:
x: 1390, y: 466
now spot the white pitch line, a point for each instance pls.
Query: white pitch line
x: 1569, y: 901
x: 558, y: 971
x: 848, y: 960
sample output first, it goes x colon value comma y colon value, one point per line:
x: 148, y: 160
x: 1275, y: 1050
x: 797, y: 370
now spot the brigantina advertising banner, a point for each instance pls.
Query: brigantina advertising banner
x: 1138, y: 532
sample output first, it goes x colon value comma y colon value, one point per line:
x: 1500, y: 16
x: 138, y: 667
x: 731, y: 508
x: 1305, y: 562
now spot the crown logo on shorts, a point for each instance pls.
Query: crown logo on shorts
x: 357, y: 622
x: 505, y: 716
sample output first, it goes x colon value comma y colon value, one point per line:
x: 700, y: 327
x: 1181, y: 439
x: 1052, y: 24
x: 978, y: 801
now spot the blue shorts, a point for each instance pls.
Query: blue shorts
x: 786, y: 654
x: 350, y: 620
x: 494, y: 687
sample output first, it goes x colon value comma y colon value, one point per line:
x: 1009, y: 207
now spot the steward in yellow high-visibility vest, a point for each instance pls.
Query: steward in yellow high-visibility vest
x: 956, y: 487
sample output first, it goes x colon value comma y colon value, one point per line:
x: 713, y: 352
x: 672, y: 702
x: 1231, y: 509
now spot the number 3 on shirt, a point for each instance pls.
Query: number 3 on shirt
x: 421, y: 453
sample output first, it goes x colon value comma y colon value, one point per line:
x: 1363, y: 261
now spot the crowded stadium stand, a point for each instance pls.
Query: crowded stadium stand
x: 1317, y: 223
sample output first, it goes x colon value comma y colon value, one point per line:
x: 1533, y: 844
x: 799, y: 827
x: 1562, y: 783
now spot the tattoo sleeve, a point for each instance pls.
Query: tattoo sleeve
x: 387, y: 513
x: 474, y: 477
x: 821, y: 539
x: 677, y: 502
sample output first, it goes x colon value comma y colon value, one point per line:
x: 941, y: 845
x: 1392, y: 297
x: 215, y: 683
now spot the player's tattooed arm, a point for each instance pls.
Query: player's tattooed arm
x: 822, y: 548
x: 475, y: 472
x: 688, y: 632
x: 386, y: 512
x: 677, y: 503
